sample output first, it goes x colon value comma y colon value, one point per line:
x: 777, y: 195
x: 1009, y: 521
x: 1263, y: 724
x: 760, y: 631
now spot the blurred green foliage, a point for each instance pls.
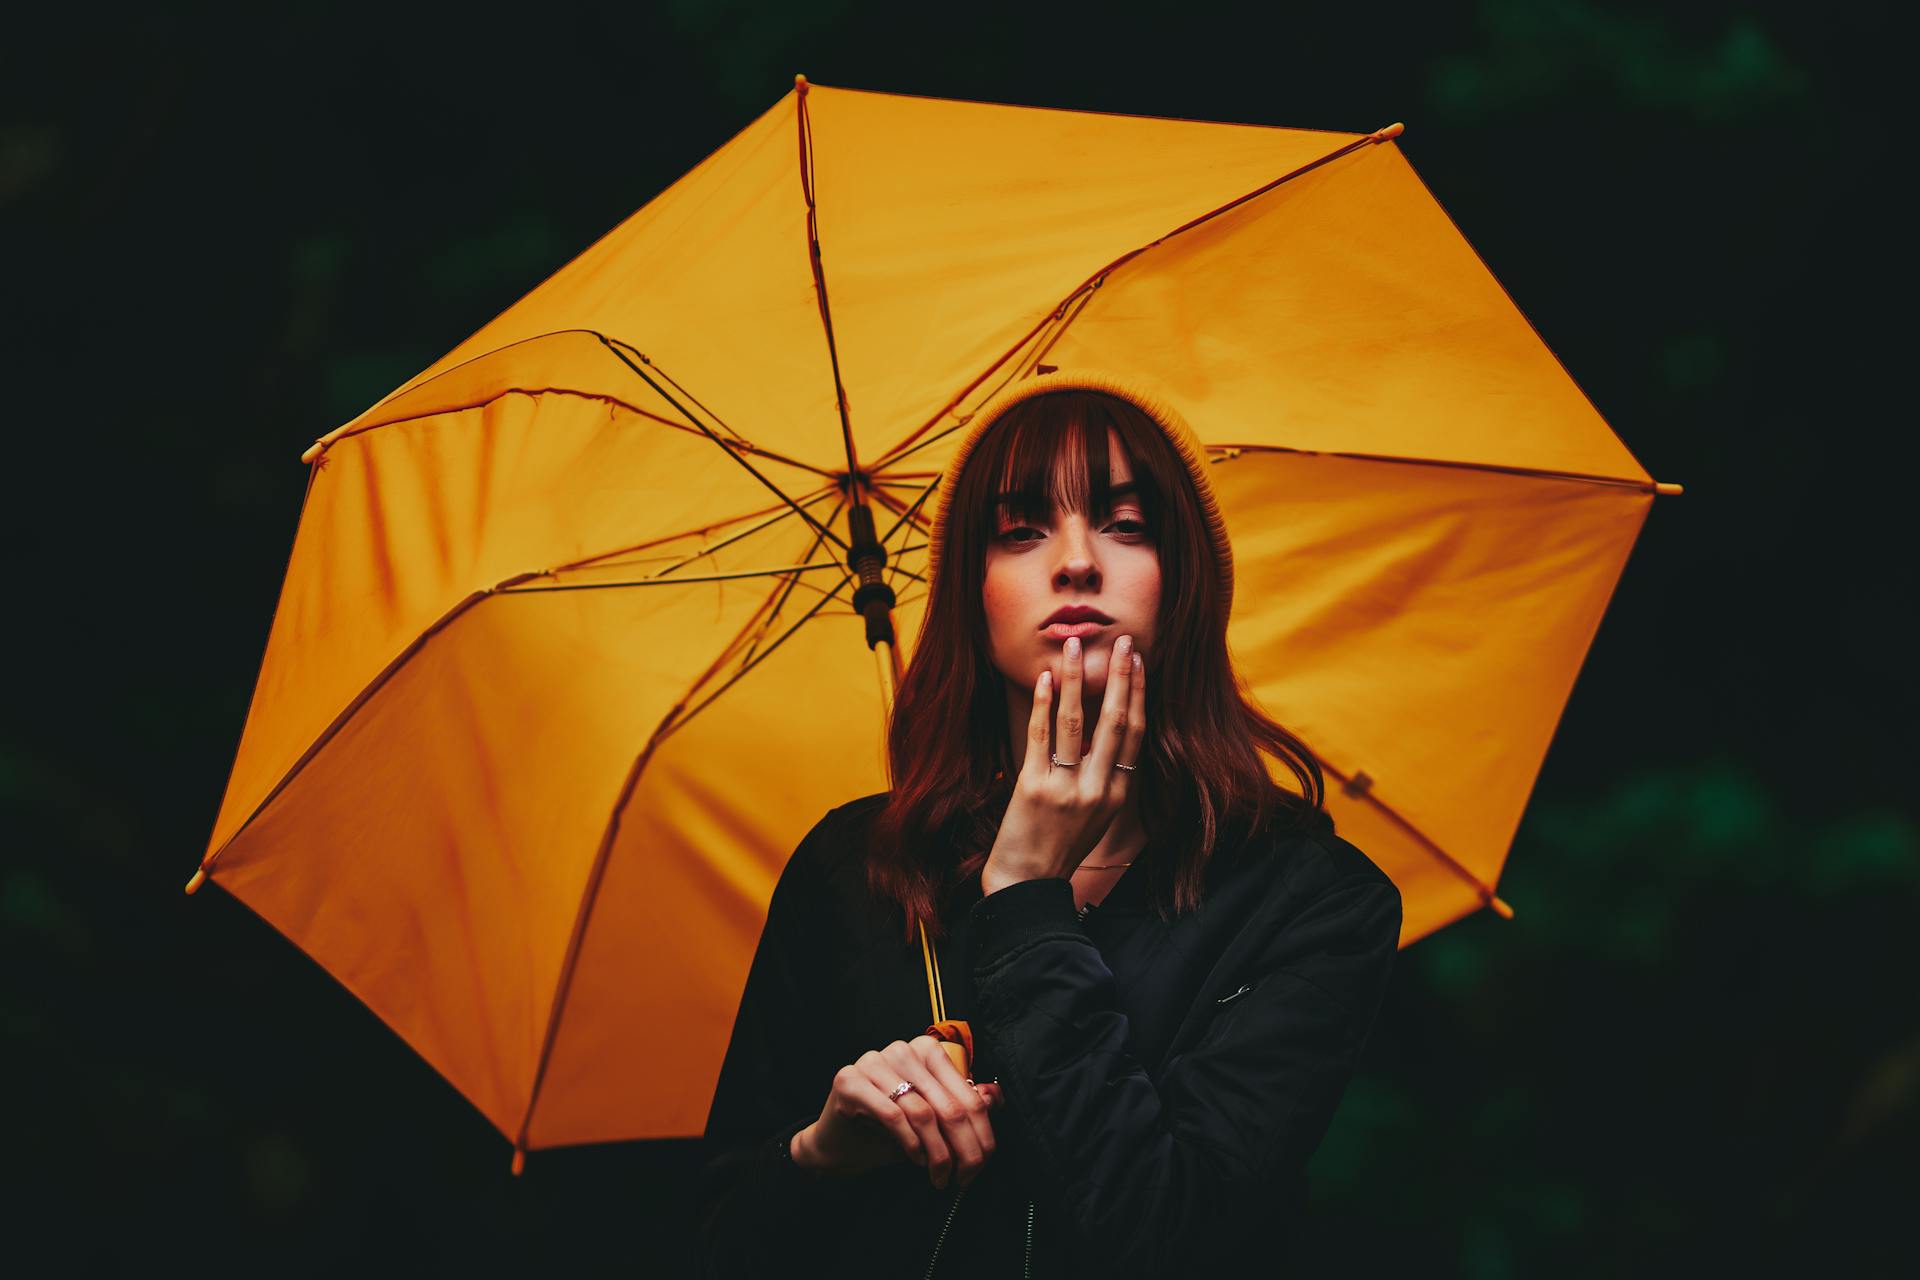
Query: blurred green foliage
x: 1686, y: 966
x: 1536, y: 52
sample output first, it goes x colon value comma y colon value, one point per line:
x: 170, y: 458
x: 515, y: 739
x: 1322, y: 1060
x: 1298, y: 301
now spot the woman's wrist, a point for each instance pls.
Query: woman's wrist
x: 797, y: 1151
x: 800, y: 1151
x: 999, y: 873
x: 1008, y: 868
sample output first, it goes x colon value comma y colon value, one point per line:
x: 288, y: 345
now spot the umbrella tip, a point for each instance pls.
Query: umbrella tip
x: 314, y: 450
x: 519, y: 1161
x: 1669, y: 490
x: 199, y: 878
x: 1500, y: 907
x: 1393, y: 130
x: 799, y: 84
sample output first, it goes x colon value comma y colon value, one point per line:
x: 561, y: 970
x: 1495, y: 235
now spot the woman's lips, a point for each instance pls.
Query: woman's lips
x: 1062, y: 630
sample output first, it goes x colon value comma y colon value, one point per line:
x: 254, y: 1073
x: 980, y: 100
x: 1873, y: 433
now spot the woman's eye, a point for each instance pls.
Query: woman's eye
x: 1127, y: 527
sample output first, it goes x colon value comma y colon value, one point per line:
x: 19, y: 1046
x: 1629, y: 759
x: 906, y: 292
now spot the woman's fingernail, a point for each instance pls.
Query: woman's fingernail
x: 1073, y: 646
x: 1136, y: 660
x: 1124, y: 644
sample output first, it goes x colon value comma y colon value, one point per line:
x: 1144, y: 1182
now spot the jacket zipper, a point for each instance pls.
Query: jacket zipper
x: 1026, y: 1270
x: 943, y: 1229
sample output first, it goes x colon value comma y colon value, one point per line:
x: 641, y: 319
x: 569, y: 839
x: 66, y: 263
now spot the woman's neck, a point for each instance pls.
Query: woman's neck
x: 1102, y: 868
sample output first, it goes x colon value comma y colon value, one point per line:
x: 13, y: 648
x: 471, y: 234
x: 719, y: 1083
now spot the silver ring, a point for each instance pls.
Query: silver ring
x: 1125, y: 768
x: 901, y: 1089
x: 1064, y: 764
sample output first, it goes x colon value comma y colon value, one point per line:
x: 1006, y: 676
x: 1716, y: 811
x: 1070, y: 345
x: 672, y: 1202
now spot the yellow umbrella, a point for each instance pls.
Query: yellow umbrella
x: 567, y: 658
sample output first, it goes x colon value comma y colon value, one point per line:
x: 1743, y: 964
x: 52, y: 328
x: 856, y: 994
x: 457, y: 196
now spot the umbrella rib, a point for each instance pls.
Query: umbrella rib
x: 817, y: 590
x: 490, y: 354
x: 903, y: 511
x: 462, y: 407
x: 1361, y: 787
x: 622, y: 342
x: 1228, y: 452
x: 619, y: 344
x: 328, y: 440
x: 592, y: 891
x: 605, y: 847
x: 613, y: 400
x: 730, y: 452
x: 804, y: 121
x: 906, y: 514
x: 908, y: 573
x: 1098, y: 278
x: 347, y: 712
x: 924, y: 441
x: 1060, y: 318
x: 737, y: 575
x: 764, y: 654
x: 508, y: 586
x: 780, y: 512
x: 449, y: 372
x: 893, y: 504
x: 786, y: 591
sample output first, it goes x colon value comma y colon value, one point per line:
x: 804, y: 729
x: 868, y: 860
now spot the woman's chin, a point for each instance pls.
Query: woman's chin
x: 1093, y: 675
x: 1093, y: 672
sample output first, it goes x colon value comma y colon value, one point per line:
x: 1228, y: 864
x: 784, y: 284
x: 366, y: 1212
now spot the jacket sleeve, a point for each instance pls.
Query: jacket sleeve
x: 1159, y: 1172
x: 757, y: 1211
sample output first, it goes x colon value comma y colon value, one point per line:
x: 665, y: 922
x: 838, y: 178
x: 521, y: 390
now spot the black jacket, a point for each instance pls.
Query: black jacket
x: 1165, y: 1082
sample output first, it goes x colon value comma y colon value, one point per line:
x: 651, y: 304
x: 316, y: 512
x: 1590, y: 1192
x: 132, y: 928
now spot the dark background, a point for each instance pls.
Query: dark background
x: 1695, y: 1047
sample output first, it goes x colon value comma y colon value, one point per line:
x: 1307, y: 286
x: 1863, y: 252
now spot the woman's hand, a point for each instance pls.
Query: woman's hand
x: 1058, y: 813
x: 941, y: 1125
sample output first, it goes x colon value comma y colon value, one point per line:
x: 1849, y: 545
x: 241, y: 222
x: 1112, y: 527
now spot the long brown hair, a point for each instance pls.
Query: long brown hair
x: 1202, y: 783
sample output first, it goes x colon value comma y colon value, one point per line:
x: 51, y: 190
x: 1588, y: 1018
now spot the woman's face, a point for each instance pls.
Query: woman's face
x: 1109, y: 568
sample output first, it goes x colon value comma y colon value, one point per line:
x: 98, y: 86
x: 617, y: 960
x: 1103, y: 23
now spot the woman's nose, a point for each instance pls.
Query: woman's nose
x: 1077, y: 567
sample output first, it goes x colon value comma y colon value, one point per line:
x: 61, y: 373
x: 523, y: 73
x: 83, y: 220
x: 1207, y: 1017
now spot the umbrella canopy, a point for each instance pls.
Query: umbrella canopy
x: 566, y: 659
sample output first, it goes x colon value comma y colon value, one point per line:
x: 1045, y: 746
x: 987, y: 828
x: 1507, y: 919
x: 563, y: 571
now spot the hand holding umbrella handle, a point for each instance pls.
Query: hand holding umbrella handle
x: 876, y: 1087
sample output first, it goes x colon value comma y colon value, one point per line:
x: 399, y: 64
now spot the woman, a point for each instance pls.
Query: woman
x: 1168, y: 962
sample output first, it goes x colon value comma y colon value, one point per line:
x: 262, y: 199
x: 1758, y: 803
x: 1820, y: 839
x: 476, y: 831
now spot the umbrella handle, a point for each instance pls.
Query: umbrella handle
x: 956, y: 1037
